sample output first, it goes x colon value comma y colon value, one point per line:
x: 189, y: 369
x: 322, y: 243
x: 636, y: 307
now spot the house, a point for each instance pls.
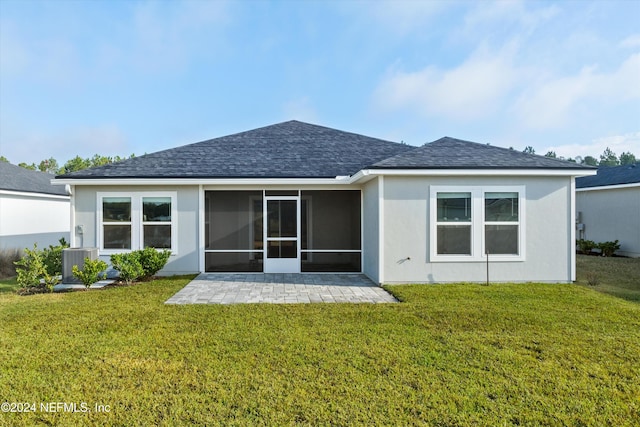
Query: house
x: 31, y: 209
x: 608, y: 207
x: 296, y: 197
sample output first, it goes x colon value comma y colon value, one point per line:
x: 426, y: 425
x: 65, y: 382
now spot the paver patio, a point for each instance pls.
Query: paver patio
x: 277, y: 288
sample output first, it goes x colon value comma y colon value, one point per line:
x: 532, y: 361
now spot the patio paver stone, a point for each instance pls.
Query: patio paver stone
x: 275, y: 288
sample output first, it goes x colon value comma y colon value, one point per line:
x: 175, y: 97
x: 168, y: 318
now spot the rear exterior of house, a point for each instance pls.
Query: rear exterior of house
x: 296, y: 197
x: 608, y: 207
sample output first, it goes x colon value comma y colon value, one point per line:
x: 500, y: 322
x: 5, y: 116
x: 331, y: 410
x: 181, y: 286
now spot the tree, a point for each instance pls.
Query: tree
x: 98, y: 160
x: 76, y: 164
x: 31, y: 167
x: 551, y: 154
x: 590, y: 160
x: 627, y: 159
x: 49, y: 165
x: 4, y: 159
x: 609, y: 158
x: 529, y: 150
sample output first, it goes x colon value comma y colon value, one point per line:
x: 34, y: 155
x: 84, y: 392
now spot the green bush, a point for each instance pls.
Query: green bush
x: 92, y: 271
x: 586, y: 246
x: 32, y: 273
x: 609, y: 248
x: 52, y: 257
x: 152, y: 261
x: 128, y: 265
x: 139, y: 265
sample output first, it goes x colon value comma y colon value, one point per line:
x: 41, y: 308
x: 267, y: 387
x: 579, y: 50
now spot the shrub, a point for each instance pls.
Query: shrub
x: 128, y: 265
x: 32, y: 273
x: 92, y: 271
x: 52, y: 257
x: 152, y: 261
x: 8, y: 257
x: 592, y: 278
x: 609, y: 248
x: 586, y: 246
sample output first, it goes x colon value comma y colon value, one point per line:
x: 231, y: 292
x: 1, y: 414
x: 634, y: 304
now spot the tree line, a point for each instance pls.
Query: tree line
x: 607, y: 158
x: 51, y: 165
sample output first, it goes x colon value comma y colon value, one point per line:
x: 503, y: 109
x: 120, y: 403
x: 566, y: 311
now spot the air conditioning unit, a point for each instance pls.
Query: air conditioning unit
x: 75, y: 256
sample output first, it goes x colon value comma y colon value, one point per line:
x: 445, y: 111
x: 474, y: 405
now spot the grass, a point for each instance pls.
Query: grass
x: 615, y: 276
x: 448, y: 355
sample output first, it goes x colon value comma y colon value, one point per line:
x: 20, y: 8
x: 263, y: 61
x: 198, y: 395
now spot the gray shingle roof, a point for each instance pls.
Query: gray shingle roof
x: 287, y: 150
x: 451, y: 153
x: 15, y: 178
x: 300, y: 150
x: 617, y: 175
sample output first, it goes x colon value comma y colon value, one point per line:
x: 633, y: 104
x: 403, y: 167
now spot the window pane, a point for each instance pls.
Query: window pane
x: 454, y: 207
x: 157, y: 236
x: 501, y: 207
x: 282, y: 249
x: 117, y: 237
x: 331, y: 262
x: 501, y: 239
x: 233, y: 262
x: 116, y: 209
x: 454, y: 240
x: 156, y: 209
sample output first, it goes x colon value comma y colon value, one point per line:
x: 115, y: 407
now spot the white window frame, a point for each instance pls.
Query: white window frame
x: 477, y: 222
x: 137, y: 220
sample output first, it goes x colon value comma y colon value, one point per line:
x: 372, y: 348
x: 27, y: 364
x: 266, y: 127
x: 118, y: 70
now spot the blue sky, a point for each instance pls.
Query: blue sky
x: 121, y: 77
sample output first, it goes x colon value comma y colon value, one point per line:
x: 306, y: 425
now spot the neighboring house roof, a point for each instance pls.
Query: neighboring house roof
x: 16, y: 178
x: 452, y: 153
x: 616, y: 175
x: 300, y: 150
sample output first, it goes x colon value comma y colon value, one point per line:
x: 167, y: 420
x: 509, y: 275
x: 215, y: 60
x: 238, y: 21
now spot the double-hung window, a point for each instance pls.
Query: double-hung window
x: 473, y: 222
x: 129, y: 221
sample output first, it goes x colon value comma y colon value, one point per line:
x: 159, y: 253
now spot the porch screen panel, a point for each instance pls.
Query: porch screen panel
x: 331, y: 230
x: 233, y: 231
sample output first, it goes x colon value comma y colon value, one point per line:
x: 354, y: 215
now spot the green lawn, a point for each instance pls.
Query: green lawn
x: 615, y: 276
x: 448, y: 355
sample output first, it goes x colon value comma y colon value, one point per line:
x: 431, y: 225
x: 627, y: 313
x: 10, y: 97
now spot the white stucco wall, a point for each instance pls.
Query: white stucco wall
x: 370, y: 225
x: 406, y: 226
x: 184, y: 258
x: 28, y: 218
x: 612, y: 214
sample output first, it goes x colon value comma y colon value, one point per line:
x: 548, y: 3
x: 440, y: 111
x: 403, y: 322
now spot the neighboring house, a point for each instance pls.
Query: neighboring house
x: 296, y: 197
x: 608, y: 207
x: 31, y: 209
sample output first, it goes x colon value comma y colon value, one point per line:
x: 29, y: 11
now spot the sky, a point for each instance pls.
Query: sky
x: 87, y: 77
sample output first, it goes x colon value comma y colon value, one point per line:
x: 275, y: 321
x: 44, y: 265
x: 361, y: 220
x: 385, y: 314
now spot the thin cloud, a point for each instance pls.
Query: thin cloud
x: 552, y: 103
x: 472, y: 90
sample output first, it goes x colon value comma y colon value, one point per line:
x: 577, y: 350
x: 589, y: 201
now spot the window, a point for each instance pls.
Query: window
x: 471, y: 222
x: 116, y: 222
x: 454, y: 223
x: 501, y: 223
x: 156, y: 222
x: 135, y: 221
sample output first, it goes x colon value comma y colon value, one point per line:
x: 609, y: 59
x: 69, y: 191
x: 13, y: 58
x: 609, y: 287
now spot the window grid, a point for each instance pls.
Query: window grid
x: 505, y: 227
x: 137, y: 222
